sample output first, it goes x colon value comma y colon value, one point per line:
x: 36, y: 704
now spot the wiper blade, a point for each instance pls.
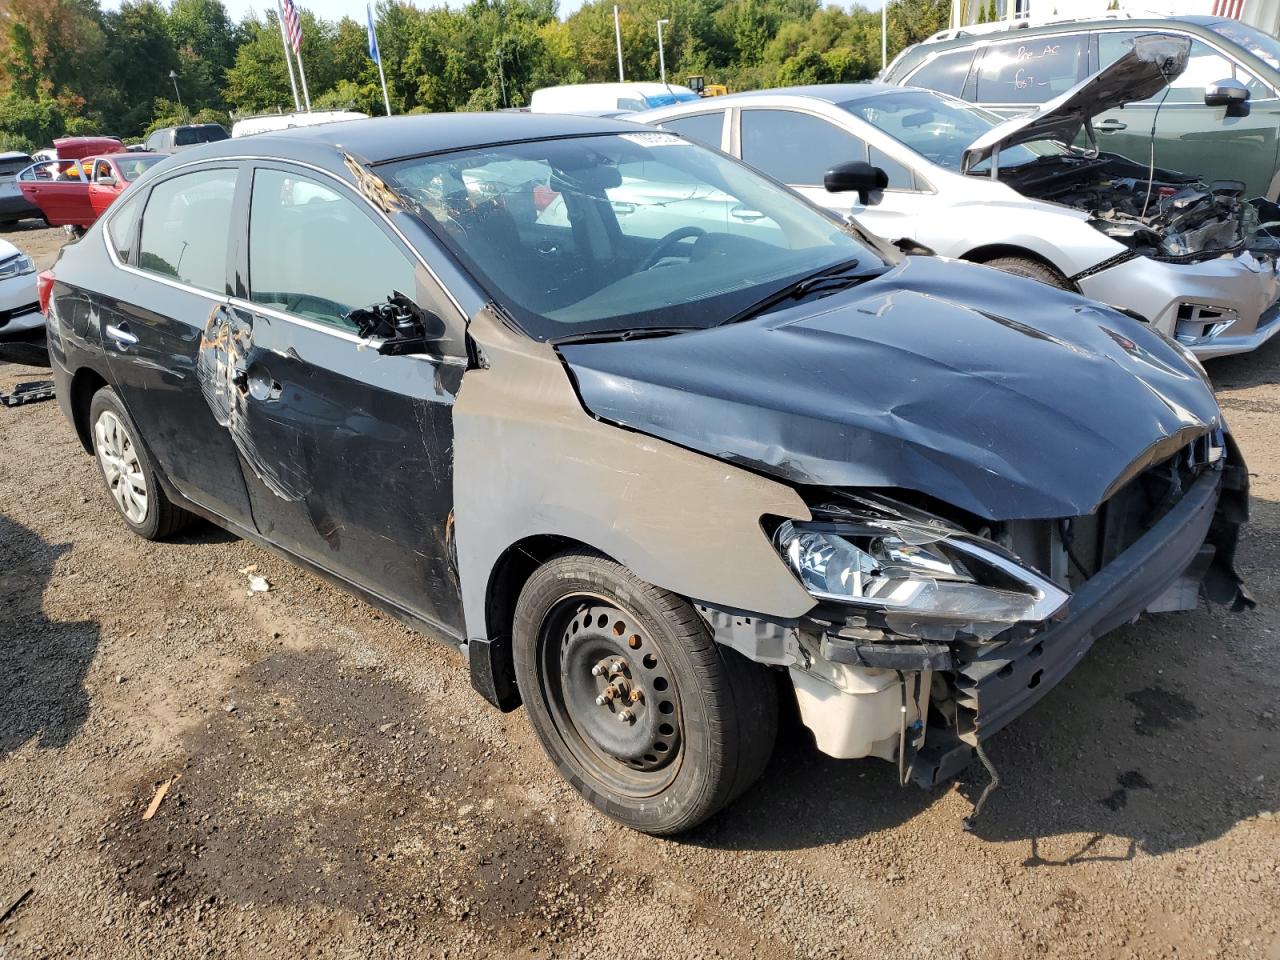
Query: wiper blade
x: 834, y: 277
x: 622, y: 333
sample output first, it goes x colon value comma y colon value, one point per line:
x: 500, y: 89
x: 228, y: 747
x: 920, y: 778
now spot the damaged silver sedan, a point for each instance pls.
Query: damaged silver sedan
x: 649, y: 458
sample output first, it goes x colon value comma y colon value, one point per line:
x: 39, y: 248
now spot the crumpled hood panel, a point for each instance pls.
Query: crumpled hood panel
x: 996, y: 394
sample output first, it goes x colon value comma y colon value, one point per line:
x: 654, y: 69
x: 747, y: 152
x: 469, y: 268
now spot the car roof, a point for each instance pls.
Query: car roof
x: 836, y: 93
x: 1062, y: 26
x: 380, y: 139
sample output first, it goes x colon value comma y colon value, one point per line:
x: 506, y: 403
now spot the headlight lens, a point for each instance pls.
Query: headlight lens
x: 919, y: 570
x: 17, y: 266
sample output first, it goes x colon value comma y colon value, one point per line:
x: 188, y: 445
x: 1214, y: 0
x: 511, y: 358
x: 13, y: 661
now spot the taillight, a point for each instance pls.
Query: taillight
x: 44, y: 289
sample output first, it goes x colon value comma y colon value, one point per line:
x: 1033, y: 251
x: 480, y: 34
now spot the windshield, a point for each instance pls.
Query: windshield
x: 131, y: 168
x: 186, y: 136
x: 940, y: 129
x: 632, y: 231
x: 1261, y: 45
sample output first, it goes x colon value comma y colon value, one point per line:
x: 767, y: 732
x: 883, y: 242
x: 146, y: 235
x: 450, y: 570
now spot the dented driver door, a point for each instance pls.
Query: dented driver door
x: 347, y: 452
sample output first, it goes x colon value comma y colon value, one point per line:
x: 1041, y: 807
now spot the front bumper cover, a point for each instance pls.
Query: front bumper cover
x: 1244, y: 287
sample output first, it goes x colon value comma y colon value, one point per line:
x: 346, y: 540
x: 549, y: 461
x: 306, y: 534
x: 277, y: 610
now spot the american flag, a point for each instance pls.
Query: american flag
x: 292, y: 25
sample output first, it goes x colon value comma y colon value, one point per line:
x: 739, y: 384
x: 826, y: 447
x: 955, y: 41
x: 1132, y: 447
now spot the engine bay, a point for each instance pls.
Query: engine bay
x: 1169, y: 215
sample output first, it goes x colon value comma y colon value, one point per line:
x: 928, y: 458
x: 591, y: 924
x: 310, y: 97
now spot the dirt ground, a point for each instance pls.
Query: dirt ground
x: 344, y: 793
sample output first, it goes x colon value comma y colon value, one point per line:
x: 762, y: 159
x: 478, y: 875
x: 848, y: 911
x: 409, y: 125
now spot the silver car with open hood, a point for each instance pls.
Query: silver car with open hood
x: 1031, y: 195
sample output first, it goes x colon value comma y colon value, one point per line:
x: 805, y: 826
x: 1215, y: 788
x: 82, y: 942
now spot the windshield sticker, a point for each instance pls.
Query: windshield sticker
x: 656, y: 139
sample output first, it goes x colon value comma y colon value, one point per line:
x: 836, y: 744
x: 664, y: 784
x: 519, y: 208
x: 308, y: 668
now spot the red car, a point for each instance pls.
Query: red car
x: 74, y: 193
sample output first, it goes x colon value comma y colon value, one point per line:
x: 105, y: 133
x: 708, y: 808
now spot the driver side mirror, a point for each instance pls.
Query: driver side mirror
x: 107, y: 181
x: 855, y: 176
x: 397, y: 327
x: 1229, y: 93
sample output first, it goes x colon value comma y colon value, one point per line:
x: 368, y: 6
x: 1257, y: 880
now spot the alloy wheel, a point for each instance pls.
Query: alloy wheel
x: 118, y: 457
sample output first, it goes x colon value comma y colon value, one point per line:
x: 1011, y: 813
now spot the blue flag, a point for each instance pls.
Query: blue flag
x: 373, y: 38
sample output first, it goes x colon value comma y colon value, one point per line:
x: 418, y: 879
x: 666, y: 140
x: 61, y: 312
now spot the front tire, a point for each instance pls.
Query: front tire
x: 127, y: 471
x: 1032, y: 270
x: 649, y: 719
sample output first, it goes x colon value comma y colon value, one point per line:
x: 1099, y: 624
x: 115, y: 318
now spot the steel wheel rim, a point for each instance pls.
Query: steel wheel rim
x: 590, y: 730
x: 118, y: 458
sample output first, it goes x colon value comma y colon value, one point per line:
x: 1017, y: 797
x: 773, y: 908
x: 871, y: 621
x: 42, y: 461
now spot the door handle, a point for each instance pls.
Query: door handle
x: 121, y: 335
x: 1110, y: 126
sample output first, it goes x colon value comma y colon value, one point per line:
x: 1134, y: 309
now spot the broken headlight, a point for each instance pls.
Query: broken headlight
x: 920, y: 570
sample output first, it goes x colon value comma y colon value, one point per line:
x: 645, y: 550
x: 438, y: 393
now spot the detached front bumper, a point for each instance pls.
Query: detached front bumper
x: 1213, y: 307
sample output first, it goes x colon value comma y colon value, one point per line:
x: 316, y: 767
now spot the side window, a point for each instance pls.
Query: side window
x: 102, y: 169
x: 796, y: 148
x: 120, y: 228
x: 945, y: 73
x: 185, y: 226
x: 899, y: 176
x: 1031, y: 70
x: 315, y: 254
x: 701, y: 128
x: 1204, y: 66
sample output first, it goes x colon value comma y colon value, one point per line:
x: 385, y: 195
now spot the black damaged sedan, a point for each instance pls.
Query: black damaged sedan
x: 649, y: 438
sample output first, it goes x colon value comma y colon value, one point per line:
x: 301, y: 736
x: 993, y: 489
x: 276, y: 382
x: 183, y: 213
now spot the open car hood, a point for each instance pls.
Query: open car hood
x: 1141, y: 72
x: 999, y: 395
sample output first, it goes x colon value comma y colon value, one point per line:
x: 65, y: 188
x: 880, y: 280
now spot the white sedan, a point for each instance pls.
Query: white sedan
x: 1019, y: 195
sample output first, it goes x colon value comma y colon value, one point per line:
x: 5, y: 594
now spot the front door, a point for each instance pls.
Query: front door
x: 347, y: 452
x: 154, y: 313
x: 1191, y: 137
x: 104, y: 188
x: 799, y: 148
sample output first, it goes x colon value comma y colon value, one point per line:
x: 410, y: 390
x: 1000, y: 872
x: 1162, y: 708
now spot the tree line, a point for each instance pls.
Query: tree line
x: 68, y: 67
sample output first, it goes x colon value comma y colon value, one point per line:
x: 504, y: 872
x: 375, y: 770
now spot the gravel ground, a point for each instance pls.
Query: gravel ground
x: 344, y: 793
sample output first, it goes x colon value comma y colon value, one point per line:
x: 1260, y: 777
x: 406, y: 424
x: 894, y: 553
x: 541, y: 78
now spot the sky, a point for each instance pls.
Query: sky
x: 336, y: 9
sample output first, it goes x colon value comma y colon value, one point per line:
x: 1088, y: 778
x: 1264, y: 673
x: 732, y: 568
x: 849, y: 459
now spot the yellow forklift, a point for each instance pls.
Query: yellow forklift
x: 698, y: 84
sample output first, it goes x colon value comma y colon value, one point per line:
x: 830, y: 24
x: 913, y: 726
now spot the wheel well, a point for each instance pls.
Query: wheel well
x: 512, y: 571
x: 995, y: 251
x: 84, y: 385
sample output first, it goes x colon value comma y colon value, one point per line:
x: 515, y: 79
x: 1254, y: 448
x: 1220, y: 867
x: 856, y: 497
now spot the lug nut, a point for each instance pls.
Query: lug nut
x: 625, y: 715
x: 601, y: 701
x: 636, y: 695
x: 597, y: 670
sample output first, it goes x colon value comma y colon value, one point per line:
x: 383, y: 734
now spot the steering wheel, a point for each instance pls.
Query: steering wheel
x: 666, y: 243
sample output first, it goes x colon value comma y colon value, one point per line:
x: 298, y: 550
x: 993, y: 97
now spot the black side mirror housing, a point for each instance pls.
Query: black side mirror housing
x: 855, y: 176
x: 398, y: 327
x: 1228, y: 93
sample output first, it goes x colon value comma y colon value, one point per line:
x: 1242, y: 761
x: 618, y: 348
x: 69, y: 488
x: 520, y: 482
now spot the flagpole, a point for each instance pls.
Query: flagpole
x: 284, y: 41
x: 381, y: 76
x: 302, y: 75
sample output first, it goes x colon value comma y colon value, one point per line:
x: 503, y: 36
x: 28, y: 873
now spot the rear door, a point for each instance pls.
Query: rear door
x: 1016, y: 76
x: 56, y: 188
x: 348, y: 451
x: 1191, y: 137
x: 171, y: 245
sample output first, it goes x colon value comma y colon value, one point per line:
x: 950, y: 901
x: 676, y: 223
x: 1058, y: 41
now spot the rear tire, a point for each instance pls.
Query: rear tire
x: 1032, y: 270
x: 702, y: 718
x: 127, y: 471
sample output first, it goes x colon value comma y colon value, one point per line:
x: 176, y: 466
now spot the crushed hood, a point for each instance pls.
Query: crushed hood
x: 1141, y: 72
x: 996, y: 394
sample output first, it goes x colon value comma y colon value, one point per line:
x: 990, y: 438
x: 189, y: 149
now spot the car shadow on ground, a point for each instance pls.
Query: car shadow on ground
x: 1162, y: 738
x: 42, y: 662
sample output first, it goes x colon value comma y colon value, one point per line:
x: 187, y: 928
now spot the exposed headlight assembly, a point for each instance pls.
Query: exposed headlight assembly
x: 926, y: 580
x: 16, y: 266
